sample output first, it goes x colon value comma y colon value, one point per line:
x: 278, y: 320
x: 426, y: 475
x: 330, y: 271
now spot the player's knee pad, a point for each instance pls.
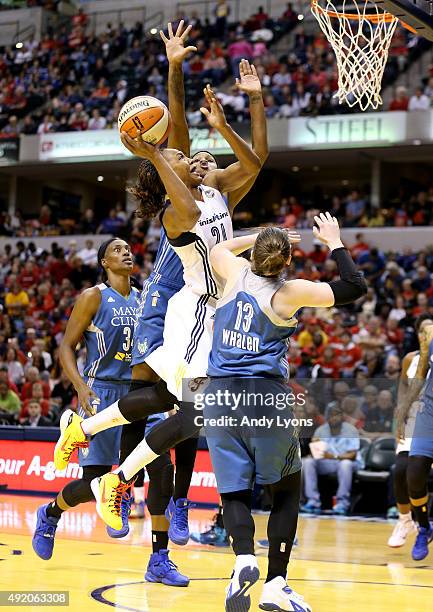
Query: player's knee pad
x: 95, y: 471
x: 145, y: 401
x: 161, y: 474
x: 418, y: 470
x: 175, y: 429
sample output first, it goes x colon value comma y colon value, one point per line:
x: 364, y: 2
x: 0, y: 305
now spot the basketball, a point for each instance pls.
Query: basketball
x: 145, y: 115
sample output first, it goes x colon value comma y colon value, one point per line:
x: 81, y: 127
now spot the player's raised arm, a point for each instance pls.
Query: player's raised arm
x: 248, y: 164
x: 249, y: 83
x: 183, y: 213
x: 176, y: 54
x: 349, y: 288
x: 81, y: 317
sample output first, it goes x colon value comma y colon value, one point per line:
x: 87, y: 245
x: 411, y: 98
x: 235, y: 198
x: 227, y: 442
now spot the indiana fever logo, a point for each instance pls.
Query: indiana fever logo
x: 123, y: 316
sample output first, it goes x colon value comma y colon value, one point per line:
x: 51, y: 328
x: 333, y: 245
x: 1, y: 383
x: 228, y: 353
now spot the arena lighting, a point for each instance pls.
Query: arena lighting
x: 344, y: 182
x: 100, y: 178
x: 19, y: 45
x: 316, y: 168
x: 300, y: 17
x: 416, y: 142
x: 154, y: 31
x: 295, y: 168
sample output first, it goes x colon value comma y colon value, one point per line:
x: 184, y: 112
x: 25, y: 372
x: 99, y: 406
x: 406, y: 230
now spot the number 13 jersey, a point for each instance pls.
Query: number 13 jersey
x: 249, y: 338
x: 193, y: 247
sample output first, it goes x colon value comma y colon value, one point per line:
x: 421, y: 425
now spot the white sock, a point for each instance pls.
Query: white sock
x: 107, y: 418
x: 405, y: 517
x: 138, y: 494
x: 140, y: 456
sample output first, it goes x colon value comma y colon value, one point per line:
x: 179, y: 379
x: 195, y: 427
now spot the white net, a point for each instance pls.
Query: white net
x: 360, y: 34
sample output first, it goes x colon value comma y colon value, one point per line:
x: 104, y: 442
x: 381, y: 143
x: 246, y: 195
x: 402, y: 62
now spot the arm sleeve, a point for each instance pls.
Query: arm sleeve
x: 351, y: 285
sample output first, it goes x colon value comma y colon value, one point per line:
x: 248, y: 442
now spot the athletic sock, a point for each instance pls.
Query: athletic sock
x: 107, y: 418
x: 54, y: 510
x: 140, y: 456
x: 405, y: 517
x: 138, y: 494
x: 159, y: 540
x: 278, y: 558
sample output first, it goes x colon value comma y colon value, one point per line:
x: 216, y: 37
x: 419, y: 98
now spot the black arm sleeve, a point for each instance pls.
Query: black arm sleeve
x: 351, y: 285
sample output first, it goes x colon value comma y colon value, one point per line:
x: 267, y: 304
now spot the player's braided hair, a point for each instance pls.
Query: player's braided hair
x: 271, y: 252
x: 149, y: 191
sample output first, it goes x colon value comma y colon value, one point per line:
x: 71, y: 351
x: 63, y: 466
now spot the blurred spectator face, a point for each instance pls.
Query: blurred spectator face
x: 11, y: 355
x: 370, y: 395
x: 32, y: 374
x: 328, y: 354
x: 335, y: 417
x: 4, y: 388
x: 346, y: 338
x: 89, y: 244
x: 341, y: 389
x: 34, y: 410
x: 349, y: 405
x: 37, y: 391
x: 392, y: 365
x: 422, y: 300
x: 384, y: 400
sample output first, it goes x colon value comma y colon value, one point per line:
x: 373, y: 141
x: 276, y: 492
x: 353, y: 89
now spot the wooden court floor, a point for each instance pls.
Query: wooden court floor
x: 339, y: 566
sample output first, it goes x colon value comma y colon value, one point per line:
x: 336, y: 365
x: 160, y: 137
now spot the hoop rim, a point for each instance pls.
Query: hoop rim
x: 385, y: 17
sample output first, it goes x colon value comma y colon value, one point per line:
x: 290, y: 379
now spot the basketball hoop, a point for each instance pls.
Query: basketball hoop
x: 360, y: 37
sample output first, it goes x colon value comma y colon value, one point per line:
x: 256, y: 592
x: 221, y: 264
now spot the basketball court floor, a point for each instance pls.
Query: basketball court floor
x: 339, y: 565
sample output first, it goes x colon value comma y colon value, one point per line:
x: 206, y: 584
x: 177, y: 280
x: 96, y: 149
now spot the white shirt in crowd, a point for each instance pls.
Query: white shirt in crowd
x: 89, y: 257
x: 419, y: 103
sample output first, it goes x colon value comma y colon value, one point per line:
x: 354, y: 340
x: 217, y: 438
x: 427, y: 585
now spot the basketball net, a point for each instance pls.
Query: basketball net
x: 360, y: 34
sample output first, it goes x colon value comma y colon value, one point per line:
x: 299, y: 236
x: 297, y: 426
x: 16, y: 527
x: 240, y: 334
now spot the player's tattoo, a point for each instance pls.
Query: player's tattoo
x: 255, y: 98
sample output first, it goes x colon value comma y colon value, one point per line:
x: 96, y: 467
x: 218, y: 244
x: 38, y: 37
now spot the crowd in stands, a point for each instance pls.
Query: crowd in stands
x: 74, y: 80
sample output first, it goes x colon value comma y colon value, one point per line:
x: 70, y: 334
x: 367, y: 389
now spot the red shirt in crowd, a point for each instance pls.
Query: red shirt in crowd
x: 26, y: 392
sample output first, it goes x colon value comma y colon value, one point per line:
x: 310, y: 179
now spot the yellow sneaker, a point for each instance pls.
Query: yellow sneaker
x: 71, y: 437
x: 108, y: 491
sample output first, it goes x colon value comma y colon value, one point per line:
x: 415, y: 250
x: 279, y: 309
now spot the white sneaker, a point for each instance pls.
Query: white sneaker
x: 277, y: 596
x: 402, y: 529
x: 245, y: 574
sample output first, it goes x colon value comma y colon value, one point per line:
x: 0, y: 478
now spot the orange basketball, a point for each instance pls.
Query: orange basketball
x: 145, y: 115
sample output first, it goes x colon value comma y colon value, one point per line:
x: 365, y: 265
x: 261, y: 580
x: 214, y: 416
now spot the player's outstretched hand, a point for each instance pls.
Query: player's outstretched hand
x: 215, y: 116
x: 175, y: 43
x: 249, y: 82
x: 87, y: 398
x: 327, y: 230
x: 138, y: 146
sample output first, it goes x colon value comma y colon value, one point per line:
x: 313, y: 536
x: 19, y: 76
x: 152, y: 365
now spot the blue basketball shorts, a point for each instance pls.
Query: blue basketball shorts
x: 250, y: 438
x: 105, y: 445
x: 149, y: 330
x: 422, y: 438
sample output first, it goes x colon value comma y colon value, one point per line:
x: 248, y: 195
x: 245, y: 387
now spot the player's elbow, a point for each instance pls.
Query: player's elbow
x: 254, y: 165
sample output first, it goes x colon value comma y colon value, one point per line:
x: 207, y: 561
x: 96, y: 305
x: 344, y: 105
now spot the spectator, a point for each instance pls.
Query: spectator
x: 15, y: 369
x: 35, y: 418
x: 237, y: 50
x: 88, y: 255
x: 111, y: 224
x: 340, y: 444
x: 222, y: 11
x: 419, y: 101
x: 10, y: 404
x: 379, y: 420
x: 63, y: 392
x: 400, y: 102
x: 96, y: 122
x: 16, y: 301
x: 32, y: 376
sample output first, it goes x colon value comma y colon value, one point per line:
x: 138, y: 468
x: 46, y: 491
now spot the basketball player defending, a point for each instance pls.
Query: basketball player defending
x: 253, y: 322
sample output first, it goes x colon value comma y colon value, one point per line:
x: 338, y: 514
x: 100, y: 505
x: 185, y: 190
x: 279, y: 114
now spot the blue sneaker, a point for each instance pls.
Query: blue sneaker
x: 125, y: 510
x: 43, y: 537
x: 423, y: 539
x: 177, y: 515
x: 311, y: 507
x: 215, y: 536
x: 340, y: 509
x: 161, y: 569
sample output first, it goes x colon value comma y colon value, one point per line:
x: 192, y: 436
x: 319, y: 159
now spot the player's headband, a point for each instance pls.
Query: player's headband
x: 103, y: 249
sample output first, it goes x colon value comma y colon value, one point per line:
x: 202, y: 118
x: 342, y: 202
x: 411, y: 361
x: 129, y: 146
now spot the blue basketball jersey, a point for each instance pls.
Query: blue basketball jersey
x: 428, y: 388
x: 109, y: 336
x: 249, y: 338
x: 168, y: 269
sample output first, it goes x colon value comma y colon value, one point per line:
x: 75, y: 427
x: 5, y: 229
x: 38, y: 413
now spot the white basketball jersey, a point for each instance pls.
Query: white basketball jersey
x: 193, y: 247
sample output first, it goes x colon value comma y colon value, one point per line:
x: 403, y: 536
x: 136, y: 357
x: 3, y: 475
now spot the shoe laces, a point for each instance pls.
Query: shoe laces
x: 181, y: 515
x: 47, y: 529
x: 119, y: 491
x: 68, y: 451
x: 126, y: 505
x: 167, y: 563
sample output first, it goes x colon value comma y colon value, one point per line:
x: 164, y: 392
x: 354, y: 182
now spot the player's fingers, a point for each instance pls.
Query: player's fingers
x: 318, y: 221
x: 163, y: 36
x: 335, y: 220
x: 247, y: 67
x: 190, y: 49
x: 170, y: 30
x: 316, y: 231
x: 179, y: 27
x: 254, y: 71
x: 187, y: 31
x: 204, y: 111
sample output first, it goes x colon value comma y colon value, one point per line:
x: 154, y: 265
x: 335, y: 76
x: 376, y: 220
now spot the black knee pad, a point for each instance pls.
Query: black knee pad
x: 147, y: 400
x: 161, y: 474
x: 175, y: 429
x: 418, y: 471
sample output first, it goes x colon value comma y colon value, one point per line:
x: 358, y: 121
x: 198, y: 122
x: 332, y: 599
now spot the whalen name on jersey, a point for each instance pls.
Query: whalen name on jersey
x: 238, y: 340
